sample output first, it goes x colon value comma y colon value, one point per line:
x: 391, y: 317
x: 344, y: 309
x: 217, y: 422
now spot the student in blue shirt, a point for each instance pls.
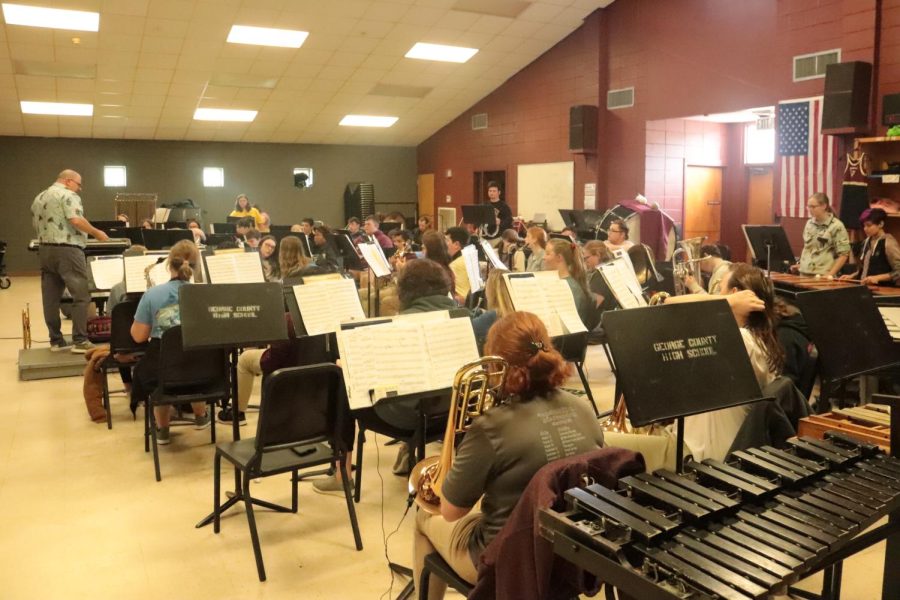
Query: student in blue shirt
x: 158, y: 311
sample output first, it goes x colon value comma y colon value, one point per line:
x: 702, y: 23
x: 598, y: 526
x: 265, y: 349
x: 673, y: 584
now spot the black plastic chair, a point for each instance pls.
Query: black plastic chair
x: 120, y: 342
x: 573, y: 348
x: 435, y: 564
x: 302, y: 413
x: 185, y: 376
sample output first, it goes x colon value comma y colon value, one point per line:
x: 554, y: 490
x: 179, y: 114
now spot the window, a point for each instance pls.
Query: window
x: 759, y: 145
x: 303, y: 177
x: 114, y: 176
x: 213, y: 177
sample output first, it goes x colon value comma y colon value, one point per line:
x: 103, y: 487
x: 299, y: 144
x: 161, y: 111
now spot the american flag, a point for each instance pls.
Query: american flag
x: 807, y: 156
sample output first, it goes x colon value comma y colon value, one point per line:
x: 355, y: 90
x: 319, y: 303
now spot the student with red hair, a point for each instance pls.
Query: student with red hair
x: 504, y: 448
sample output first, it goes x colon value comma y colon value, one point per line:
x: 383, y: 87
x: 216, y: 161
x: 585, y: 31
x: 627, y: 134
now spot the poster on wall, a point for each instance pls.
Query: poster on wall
x: 590, y: 196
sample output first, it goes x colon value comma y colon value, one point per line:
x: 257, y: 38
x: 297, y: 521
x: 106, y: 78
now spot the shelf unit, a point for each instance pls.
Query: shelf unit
x: 881, y: 151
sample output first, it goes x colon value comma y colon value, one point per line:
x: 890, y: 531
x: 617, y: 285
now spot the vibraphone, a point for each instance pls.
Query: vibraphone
x: 789, y: 285
x: 742, y: 529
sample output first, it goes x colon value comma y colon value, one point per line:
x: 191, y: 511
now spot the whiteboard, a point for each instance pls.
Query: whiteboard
x: 544, y: 188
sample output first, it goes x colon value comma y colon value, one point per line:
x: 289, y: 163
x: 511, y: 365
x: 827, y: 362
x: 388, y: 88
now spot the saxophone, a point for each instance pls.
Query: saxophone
x: 477, y: 387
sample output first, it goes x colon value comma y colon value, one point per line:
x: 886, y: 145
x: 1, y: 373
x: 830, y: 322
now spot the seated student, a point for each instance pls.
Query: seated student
x: 265, y: 221
x: 353, y: 227
x: 457, y: 238
x: 325, y: 252
x: 241, y: 229
x: 394, y: 217
x: 243, y: 208
x: 158, y: 311
x: 424, y: 225
x: 267, y: 247
x: 148, y: 224
x: 435, y: 248
x: 499, y: 304
x: 197, y: 231
x: 712, y: 265
x: 879, y: 261
x: 252, y: 238
x: 799, y: 351
x: 536, y: 241
x: 404, y: 249
x: 296, y: 228
x: 510, y: 250
x: 498, y: 456
x: 565, y: 258
x: 291, y: 260
x: 473, y: 231
x: 374, y: 234
x: 595, y: 254
x: 571, y: 234
x: 710, y: 434
x: 123, y: 219
x: 617, y: 236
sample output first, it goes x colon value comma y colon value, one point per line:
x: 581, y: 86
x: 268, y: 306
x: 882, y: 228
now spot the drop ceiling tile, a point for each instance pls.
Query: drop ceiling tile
x: 146, y: 106
x: 325, y: 41
x: 442, y: 34
x: 114, y: 73
x: 191, y: 76
x: 346, y: 59
x: 294, y: 83
x: 489, y: 24
x: 541, y: 12
x: 335, y: 73
x: 174, y: 28
x: 12, y: 129
x: 198, y: 47
x: 160, y: 45
x: 519, y: 29
x: 28, y: 83
x: 186, y: 104
x: 196, y: 63
x: 170, y: 133
x: 257, y: 16
x: 67, y: 85
x: 271, y: 69
x: 122, y: 24
x: 239, y: 51
x: 382, y: 62
x: 31, y: 52
x: 103, y: 112
x: 158, y: 61
x: 18, y: 34
x: 385, y: 11
x: 170, y: 9
x: 369, y: 76
x: 358, y: 44
x: 185, y: 90
x: 233, y: 65
x: 85, y: 39
x: 159, y: 76
x: 140, y: 133
x: 312, y: 56
x: 146, y: 88
x: 252, y: 95
x: 119, y: 59
x: 371, y: 29
x: 137, y: 8
x: 220, y: 92
x: 423, y: 16
x: 119, y: 42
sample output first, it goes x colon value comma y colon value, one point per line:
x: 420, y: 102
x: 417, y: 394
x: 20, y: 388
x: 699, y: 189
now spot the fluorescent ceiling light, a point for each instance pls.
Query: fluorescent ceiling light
x: 57, y: 108
x: 54, y: 18
x: 266, y: 36
x: 367, y: 121
x: 442, y: 53
x: 223, y: 114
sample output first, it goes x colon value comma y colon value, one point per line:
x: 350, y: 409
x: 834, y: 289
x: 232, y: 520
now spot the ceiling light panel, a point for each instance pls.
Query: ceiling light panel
x: 367, y: 121
x: 57, y: 108
x: 439, y: 52
x: 266, y: 36
x: 53, y: 18
x: 224, y: 114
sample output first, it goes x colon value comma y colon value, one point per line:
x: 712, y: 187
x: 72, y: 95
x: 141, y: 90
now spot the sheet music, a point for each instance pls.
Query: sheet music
x: 159, y: 273
x: 430, y: 316
x: 626, y: 268
x: 891, y: 316
x: 473, y: 269
x: 161, y: 215
x: 451, y: 344
x: 135, y: 279
x: 561, y: 299
x: 491, y: 253
x: 242, y: 267
x: 526, y: 294
x: 324, y: 305
x: 374, y: 257
x: 617, y: 281
x: 107, y: 271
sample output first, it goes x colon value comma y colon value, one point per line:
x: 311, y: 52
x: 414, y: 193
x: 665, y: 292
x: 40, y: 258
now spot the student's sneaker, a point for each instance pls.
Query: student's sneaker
x: 60, y: 347
x: 331, y: 485
x: 82, y: 347
x: 203, y: 421
x: 225, y: 416
x: 162, y: 436
x: 401, y: 464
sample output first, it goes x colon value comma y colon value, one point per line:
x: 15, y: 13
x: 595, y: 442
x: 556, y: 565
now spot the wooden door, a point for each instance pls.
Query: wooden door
x: 703, y: 203
x: 760, y: 195
x: 425, y: 186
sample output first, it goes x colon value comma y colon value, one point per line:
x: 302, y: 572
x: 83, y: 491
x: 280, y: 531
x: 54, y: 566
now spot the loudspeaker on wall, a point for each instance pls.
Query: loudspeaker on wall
x: 583, y: 129
x: 845, y: 108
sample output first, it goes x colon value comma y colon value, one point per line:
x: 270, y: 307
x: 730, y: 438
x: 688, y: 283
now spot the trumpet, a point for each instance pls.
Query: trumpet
x: 477, y: 387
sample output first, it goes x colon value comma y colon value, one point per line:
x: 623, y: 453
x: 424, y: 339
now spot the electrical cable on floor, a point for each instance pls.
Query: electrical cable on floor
x: 386, y: 537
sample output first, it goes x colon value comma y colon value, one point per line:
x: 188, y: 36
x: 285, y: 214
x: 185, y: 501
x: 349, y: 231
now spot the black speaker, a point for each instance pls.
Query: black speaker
x: 890, y: 110
x: 583, y: 129
x: 845, y: 108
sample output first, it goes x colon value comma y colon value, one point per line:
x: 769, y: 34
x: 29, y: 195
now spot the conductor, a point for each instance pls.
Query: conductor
x: 62, y: 230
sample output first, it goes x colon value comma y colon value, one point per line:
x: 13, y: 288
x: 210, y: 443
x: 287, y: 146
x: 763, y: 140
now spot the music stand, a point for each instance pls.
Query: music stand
x: 234, y: 220
x: 160, y: 239
x: 568, y: 217
x: 666, y: 359
x: 214, y: 239
x: 859, y: 345
x: 348, y: 252
x: 224, y: 227
x: 769, y: 243
x: 232, y: 316
x: 134, y: 234
x: 479, y: 214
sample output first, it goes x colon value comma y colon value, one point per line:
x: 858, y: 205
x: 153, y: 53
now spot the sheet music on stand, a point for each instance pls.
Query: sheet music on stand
x: 135, y: 270
x: 623, y: 283
x: 473, y: 268
x: 375, y: 258
x: 324, y: 305
x: 161, y: 215
x: 106, y: 271
x: 433, y: 352
x: 239, y: 267
x: 550, y: 299
x: 491, y: 253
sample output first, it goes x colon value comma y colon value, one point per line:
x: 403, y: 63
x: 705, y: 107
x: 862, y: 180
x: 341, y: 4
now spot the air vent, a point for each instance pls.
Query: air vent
x: 622, y: 98
x: 497, y: 8
x: 812, y: 66
x: 54, y: 69
x: 479, y: 121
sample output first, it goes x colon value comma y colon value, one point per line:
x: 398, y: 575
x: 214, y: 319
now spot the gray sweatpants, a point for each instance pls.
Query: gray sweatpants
x: 64, y: 267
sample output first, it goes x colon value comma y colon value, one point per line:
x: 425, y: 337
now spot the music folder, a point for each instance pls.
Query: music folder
x: 232, y: 315
x: 106, y: 271
x: 622, y: 282
x: 324, y: 304
x: 233, y: 267
x: 677, y: 360
x: 548, y: 297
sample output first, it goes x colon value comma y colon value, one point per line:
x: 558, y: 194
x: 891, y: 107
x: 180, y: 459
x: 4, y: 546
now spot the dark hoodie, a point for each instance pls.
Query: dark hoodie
x: 800, y: 355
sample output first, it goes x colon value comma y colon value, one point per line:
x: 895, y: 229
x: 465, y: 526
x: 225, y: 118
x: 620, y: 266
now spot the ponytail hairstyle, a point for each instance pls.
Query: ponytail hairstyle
x: 536, y: 368
x: 760, y: 323
x: 821, y: 198
x: 571, y: 253
x: 183, y: 259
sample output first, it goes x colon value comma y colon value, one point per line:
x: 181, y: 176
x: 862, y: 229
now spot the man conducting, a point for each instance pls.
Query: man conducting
x: 62, y: 230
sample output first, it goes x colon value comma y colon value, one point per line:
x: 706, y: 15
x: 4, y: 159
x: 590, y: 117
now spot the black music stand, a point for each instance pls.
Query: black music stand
x: 228, y: 227
x: 160, y: 239
x: 679, y: 360
x: 769, y: 245
x: 857, y: 344
x: 234, y: 220
x: 232, y: 316
x: 568, y: 217
x: 479, y: 214
x: 134, y: 234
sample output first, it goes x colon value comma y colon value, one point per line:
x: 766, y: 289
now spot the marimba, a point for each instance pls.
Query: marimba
x: 788, y: 284
x: 741, y: 529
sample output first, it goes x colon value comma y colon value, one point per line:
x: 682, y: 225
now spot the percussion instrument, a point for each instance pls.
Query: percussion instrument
x: 869, y: 423
x: 788, y: 284
x: 94, y: 247
x: 740, y: 529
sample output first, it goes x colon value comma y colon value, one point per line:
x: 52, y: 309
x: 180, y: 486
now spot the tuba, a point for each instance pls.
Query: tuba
x: 689, y: 264
x: 477, y: 387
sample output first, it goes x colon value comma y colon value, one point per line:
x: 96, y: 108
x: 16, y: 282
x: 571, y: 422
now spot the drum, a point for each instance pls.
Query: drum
x: 632, y: 221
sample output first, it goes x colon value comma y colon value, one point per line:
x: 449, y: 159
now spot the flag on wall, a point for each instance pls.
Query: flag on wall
x: 807, y: 157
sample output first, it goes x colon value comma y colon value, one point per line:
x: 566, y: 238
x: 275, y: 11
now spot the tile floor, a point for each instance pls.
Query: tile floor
x: 81, y: 516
